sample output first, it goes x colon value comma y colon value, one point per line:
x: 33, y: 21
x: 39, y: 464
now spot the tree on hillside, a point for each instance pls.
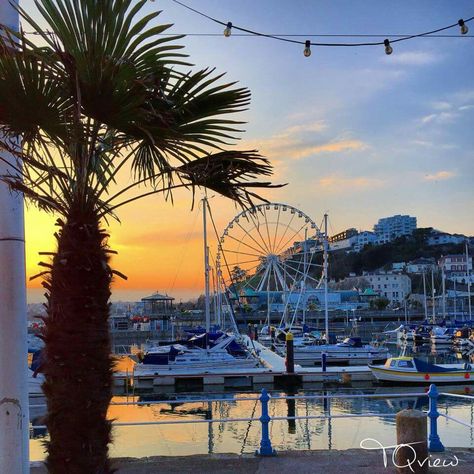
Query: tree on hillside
x: 105, y: 92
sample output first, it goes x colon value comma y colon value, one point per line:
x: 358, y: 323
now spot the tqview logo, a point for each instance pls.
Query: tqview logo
x: 411, y: 462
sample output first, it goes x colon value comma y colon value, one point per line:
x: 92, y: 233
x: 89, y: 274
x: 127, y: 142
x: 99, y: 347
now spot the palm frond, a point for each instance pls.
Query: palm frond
x: 230, y: 173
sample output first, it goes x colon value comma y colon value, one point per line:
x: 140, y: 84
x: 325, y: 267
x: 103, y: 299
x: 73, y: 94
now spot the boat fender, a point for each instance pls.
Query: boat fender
x: 467, y: 375
x: 427, y: 376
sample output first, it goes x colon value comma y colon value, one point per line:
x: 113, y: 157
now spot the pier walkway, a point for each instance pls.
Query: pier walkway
x: 353, y: 461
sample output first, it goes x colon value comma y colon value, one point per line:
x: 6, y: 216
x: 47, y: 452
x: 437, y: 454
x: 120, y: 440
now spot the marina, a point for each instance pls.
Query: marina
x: 231, y: 289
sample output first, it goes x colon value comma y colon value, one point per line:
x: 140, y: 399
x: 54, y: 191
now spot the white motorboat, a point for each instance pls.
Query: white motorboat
x: 351, y: 351
x: 178, y: 358
x: 441, y: 335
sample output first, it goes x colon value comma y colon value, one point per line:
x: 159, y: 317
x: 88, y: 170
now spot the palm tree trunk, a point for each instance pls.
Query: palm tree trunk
x: 77, y: 360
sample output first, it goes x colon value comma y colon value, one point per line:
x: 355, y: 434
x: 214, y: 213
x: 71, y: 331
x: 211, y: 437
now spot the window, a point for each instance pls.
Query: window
x: 405, y: 363
x: 393, y: 363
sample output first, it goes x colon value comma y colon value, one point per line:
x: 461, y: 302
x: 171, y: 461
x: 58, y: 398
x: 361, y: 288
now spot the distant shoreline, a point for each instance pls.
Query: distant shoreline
x: 36, y: 295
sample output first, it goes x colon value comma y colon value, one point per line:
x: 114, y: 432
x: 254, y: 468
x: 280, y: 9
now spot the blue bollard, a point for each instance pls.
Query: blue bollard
x: 434, y: 443
x: 324, y: 358
x: 265, y: 443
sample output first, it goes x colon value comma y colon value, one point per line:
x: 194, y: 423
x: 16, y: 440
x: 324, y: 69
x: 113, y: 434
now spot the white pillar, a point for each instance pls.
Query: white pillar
x: 14, y: 417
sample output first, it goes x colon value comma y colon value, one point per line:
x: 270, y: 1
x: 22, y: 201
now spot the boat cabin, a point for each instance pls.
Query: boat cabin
x: 401, y: 363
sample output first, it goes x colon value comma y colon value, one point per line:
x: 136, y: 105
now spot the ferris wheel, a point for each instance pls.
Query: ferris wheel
x: 270, y: 248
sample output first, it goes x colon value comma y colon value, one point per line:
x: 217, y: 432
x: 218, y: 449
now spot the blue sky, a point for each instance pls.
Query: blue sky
x: 354, y: 132
x: 403, y: 121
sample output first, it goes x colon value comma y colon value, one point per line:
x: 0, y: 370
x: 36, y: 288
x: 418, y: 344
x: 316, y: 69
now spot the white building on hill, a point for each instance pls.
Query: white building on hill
x: 389, y: 228
x: 393, y: 286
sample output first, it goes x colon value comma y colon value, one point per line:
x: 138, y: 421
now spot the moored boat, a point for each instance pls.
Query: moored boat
x: 223, y: 354
x: 413, y: 370
x: 351, y: 351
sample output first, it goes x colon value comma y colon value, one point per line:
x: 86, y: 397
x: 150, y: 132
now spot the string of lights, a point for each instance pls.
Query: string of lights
x: 387, y: 43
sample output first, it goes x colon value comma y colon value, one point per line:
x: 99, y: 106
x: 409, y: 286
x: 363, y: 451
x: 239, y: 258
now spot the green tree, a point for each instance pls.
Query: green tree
x: 379, y: 303
x: 105, y: 93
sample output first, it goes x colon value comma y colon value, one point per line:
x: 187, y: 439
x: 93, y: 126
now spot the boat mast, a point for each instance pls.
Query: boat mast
x: 424, y: 297
x: 468, y: 282
x: 206, y: 265
x: 455, y: 309
x: 303, y: 283
x: 325, y: 266
x: 443, y: 280
x: 433, y: 320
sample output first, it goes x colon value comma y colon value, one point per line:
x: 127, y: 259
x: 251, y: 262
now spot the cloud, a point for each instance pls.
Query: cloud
x: 413, y: 58
x: 340, y: 183
x: 466, y: 107
x: 440, y: 176
x: 318, y: 126
x: 442, y: 105
x: 331, y: 147
x: 303, y: 140
x: 439, y: 118
x: 432, y: 144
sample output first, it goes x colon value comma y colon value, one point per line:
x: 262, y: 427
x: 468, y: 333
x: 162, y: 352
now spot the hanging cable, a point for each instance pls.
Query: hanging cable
x: 460, y: 23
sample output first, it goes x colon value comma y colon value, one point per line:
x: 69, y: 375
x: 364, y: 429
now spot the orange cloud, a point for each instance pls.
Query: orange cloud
x: 331, y: 147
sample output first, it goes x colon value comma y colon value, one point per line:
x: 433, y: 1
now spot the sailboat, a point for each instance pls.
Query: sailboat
x: 309, y: 351
x: 204, y: 353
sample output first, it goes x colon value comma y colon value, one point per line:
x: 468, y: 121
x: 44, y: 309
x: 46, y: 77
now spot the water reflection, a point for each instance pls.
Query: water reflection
x: 244, y: 437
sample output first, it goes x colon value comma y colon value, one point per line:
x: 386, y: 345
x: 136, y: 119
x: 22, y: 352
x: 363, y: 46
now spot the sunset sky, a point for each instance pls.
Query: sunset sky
x: 356, y: 133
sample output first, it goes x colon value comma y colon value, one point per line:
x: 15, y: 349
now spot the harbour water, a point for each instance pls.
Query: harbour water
x: 244, y: 436
x: 237, y: 437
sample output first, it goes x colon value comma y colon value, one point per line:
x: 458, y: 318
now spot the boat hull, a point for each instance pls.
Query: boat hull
x: 383, y: 374
x: 312, y: 355
x: 190, y: 368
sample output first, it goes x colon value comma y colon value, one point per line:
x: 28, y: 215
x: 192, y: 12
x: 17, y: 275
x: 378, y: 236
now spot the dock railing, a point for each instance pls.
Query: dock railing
x: 266, y: 448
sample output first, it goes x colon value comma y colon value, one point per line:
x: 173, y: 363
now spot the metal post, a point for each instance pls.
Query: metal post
x: 14, y: 416
x: 424, y: 297
x: 468, y: 282
x: 206, y: 269
x: 325, y: 269
x: 434, y: 443
x: 265, y: 443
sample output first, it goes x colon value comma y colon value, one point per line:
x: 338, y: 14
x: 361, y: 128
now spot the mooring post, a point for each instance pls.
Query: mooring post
x: 434, y: 444
x: 324, y: 358
x: 290, y: 354
x: 412, y: 445
x: 265, y: 443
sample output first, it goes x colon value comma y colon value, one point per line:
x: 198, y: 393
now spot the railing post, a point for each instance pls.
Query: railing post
x: 265, y: 443
x: 434, y: 443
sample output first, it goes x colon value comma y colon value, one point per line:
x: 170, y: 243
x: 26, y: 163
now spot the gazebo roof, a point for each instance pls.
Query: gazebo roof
x: 369, y: 292
x: 158, y: 297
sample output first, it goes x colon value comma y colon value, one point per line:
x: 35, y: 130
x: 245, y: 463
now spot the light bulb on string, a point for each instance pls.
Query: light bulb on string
x: 388, y: 48
x: 307, y: 48
x: 228, y: 29
x: 463, y: 26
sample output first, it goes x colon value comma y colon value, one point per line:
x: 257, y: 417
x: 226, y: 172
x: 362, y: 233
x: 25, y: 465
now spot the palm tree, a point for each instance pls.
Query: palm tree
x: 97, y: 93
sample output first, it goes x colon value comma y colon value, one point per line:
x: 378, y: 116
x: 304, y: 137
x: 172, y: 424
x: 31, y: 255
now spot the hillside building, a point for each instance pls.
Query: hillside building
x: 389, y: 228
x: 393, y: 286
